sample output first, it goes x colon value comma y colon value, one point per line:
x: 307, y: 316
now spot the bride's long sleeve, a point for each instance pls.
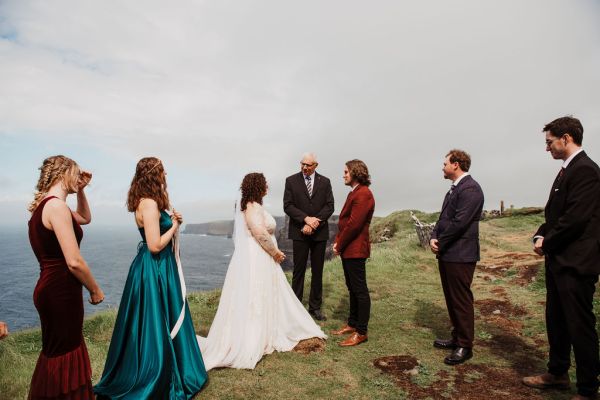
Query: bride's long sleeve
x: 255, y: 221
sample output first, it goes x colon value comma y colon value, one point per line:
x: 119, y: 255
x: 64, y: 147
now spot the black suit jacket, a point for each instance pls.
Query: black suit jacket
x: 298, y: 205
x: 457, y: 229
x: 572, y: 228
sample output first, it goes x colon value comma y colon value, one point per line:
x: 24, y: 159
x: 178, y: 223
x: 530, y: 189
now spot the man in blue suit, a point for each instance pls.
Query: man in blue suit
x: 455, y: 242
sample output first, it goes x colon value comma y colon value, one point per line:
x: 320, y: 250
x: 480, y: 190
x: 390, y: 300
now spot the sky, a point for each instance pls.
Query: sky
x: 218, y: 89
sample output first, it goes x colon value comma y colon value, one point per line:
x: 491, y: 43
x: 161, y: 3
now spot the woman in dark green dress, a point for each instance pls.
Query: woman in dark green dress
x: 153, y: 353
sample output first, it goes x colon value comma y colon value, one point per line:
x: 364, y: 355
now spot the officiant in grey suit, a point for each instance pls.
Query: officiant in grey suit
x: 308, y: 201
x: 455, y: 241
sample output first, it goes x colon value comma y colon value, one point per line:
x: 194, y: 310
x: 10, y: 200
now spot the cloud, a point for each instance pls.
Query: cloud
x: 218, y: 89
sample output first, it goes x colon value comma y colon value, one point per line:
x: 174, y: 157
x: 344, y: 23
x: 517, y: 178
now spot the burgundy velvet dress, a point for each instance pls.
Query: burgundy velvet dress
x: 63, y: 368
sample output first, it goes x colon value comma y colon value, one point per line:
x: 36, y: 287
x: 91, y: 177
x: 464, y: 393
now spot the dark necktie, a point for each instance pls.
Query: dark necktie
x: 560, y: 175
x: 452, y: 187
x: 309, y: 186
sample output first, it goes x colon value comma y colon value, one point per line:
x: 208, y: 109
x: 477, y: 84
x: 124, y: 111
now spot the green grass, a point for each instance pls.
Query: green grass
x: 408, y: 312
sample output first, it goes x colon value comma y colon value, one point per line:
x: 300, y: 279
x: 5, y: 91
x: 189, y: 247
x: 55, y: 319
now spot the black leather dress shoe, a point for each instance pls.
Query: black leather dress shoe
x: 444, y: 344
x: 318, y: 315
x: 459, y: 356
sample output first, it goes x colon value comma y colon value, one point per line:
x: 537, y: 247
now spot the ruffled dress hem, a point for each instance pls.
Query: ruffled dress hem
x: 64, y: 377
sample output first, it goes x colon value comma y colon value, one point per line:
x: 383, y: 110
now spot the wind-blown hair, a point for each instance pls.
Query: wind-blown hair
x: 54, y: 169
x: 149, y: 182
x: 359, y: 172
x: 254, y: 188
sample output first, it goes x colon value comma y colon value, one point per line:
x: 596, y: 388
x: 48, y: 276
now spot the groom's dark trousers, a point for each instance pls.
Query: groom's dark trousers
x: 571, y: 233
x: 298, y: 204
x: 457, y: 232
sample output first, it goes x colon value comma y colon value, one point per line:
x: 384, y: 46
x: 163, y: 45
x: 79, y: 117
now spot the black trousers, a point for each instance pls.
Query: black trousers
x: 570, y: 322
x: 456, y: 283
x: 360, y: 301
x: 302, y: 248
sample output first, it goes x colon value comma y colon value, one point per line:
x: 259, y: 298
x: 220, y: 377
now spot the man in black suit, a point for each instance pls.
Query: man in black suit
x: 308, y: 201
x: 455, y: 241
x: 570, y: 241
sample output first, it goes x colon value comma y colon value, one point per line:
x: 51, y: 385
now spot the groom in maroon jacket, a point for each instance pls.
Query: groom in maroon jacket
x: 353, y: 245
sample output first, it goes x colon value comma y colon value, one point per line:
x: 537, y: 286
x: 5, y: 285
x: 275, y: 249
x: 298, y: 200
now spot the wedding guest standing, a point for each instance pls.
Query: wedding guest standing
x: 455, y: 241
x: 308, y: 201
x: 153, y: 353
x: 569, y: 239
x: 353, y: 245
x: 3, y: 330
x: 63, y: 368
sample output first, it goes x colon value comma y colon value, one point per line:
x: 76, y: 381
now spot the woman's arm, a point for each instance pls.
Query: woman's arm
x: 83, y: 215
x: 254, y: 220
x: 61, y: 222
x: 150, y: 214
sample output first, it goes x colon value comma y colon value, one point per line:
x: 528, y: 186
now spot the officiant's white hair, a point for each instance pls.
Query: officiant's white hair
x: 312, y: 156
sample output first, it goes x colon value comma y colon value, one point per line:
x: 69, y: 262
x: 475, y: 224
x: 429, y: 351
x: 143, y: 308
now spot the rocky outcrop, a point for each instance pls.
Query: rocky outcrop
x: 286, y: 245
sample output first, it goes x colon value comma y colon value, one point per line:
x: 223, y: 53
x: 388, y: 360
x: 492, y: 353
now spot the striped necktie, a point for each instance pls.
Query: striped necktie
x: 309, y: 186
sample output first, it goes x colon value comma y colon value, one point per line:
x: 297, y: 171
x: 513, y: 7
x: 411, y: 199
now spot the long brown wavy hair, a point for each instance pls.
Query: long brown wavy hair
x: 54, y: 169
x: 254, y: 188
x: 359, y: 171
x: 149, y: 182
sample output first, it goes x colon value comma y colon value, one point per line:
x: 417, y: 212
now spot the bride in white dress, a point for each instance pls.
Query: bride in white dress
x: 258, y: 310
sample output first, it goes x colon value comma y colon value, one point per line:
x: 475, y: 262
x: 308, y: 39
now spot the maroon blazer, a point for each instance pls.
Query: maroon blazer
x: 352, y: 240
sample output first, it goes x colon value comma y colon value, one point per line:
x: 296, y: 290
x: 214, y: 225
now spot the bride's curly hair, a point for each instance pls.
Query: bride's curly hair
x: 149, y: 182
x: 254, y: 188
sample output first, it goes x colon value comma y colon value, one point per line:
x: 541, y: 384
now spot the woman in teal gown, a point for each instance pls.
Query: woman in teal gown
x: 144, y: 361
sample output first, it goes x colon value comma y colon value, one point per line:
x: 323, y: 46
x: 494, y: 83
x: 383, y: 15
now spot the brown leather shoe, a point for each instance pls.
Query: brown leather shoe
x: 354, y: 339
x: 342, y: 331
x: 580, y: 397
x: 547, y: 380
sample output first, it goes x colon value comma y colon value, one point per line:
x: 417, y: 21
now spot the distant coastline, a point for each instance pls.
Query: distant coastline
x: 214, y: 228
x: 225, y: 228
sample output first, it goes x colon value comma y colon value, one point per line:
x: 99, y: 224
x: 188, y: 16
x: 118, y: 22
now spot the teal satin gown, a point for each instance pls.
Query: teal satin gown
x: 143, y: 362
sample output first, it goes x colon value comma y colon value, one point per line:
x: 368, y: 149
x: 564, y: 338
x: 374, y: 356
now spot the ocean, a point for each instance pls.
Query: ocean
x: 108, y: 252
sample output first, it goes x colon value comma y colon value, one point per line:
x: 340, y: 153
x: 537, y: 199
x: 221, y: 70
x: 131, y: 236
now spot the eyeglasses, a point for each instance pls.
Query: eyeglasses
x: 308, y: 165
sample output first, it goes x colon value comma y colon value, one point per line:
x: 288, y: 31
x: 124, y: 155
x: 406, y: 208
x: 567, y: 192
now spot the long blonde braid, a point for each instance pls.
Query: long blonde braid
x: 52, y: 169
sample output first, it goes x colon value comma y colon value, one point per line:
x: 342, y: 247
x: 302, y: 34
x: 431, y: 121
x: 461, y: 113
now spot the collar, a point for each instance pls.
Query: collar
x: 568, y: 160
x: 355, y: 186
x: 455, y: 183
x: 312, y: 177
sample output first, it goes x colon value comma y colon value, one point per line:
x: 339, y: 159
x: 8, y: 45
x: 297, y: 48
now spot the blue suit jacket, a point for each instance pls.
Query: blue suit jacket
x: 457, y: 228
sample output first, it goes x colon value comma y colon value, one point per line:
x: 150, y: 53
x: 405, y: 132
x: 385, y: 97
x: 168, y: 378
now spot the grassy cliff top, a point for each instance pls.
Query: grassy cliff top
x: 408, y: 312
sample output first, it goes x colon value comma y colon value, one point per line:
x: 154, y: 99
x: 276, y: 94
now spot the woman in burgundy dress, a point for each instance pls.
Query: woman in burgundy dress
x: 63, y: 369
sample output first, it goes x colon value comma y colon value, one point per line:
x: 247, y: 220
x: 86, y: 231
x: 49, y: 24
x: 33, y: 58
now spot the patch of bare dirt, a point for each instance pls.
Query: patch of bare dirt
x: 493, y: 307
x: 525, y: 358
x: 523, y: 267
x: 313, y: 345
x: 466, y: 382
x: 396, y: 365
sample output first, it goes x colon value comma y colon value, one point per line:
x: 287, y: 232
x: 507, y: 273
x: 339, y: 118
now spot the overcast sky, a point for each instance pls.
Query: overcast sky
x: 217, y: 89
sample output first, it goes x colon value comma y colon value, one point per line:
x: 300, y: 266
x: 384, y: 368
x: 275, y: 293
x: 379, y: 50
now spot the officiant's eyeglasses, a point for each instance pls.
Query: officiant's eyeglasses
x: 308, y: 165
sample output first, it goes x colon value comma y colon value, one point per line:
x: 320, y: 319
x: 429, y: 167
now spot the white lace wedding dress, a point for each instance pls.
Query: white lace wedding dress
x: 258, y: 311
